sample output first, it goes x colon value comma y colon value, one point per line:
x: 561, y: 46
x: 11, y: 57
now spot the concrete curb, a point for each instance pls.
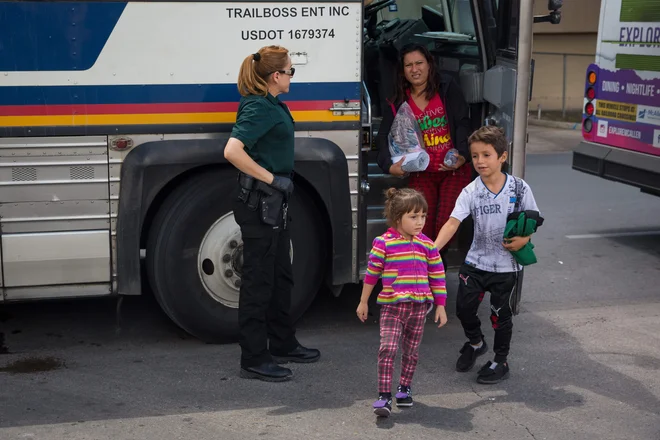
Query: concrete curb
x: 555, y: 124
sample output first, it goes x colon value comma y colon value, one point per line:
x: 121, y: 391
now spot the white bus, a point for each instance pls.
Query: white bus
x: 114, y: 114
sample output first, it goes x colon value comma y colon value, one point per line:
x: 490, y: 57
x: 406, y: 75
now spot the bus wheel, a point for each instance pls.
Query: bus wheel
x: 194, y: 256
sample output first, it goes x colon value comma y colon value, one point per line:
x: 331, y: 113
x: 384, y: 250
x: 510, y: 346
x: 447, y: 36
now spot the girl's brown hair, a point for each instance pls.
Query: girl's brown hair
x: 252, y: 77
x: 399, y: 202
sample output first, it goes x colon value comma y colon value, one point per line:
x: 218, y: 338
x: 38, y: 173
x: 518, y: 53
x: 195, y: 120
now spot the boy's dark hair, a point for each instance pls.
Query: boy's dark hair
x: 491, y: 135
x: 399, y: 202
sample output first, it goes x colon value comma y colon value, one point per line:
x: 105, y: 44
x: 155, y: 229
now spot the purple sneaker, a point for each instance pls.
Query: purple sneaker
x: 383, y: 406
x: 404, y: 396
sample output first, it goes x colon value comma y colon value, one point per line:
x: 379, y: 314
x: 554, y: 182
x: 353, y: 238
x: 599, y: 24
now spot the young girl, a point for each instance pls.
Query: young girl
x: 413, y: 280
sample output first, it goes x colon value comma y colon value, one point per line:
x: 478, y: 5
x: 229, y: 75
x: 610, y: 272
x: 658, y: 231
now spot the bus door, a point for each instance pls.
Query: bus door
x: 457, y: 33
x: 507, y: 85
x: 500, y: 80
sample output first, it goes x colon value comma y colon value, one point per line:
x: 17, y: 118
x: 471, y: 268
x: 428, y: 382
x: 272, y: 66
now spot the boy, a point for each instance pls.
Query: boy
x: 489, y: 266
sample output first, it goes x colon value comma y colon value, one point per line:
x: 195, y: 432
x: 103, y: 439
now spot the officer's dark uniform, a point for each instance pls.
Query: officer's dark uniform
x: 266, y: 127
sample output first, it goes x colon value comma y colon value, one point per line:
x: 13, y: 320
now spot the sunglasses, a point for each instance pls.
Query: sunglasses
x: 290, y: 72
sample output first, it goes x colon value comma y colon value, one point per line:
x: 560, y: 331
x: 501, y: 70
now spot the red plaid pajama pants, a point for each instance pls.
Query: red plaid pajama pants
x: 396, y: 321
x: 441, y: 190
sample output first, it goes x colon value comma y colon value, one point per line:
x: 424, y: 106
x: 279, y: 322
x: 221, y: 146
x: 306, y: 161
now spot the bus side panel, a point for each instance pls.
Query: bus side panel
x: 150, y: 168
x: 55, y: 213
x: 103, y: 77
x: 136, y: 71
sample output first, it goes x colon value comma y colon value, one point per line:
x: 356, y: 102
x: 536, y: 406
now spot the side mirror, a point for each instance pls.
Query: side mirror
x: 554, y: 5
x: 554, y: 17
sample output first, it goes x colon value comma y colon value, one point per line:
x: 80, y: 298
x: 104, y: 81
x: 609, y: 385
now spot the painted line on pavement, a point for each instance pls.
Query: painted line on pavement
x: 613, y: 234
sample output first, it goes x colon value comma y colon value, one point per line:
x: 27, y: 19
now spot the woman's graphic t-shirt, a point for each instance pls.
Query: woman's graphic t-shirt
x: 435, y: 130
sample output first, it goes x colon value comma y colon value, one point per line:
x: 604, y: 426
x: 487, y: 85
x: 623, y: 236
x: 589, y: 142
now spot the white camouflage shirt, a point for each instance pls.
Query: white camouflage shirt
x: 489, y: 212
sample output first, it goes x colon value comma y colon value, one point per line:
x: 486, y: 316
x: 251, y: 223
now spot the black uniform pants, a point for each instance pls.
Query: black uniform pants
x: 472, y: 285
x: 266, y: 285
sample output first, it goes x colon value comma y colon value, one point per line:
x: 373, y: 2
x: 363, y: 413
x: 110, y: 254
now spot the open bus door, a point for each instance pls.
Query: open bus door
x: 485, y: 45
x: 452, y: 32
x: 508, y: 83
x: 461, y: 35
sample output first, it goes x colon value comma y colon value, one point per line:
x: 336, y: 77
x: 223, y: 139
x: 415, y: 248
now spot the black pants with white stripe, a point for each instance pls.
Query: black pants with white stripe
x: 472, y: 286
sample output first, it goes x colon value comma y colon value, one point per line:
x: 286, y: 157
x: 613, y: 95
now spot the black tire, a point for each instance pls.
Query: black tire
x: 174, y: 242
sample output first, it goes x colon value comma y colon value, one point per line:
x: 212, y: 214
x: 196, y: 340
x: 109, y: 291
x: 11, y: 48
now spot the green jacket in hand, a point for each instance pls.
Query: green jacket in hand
x: 523, y: 224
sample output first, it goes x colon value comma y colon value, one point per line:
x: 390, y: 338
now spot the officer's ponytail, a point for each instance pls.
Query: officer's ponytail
x: 254, y: 72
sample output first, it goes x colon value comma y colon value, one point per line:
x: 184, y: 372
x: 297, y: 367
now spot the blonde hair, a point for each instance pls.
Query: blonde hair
x: 399, y: 202
x: 252, y: 77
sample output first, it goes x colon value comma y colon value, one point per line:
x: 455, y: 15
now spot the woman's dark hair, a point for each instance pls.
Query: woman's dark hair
x: 402, y: 84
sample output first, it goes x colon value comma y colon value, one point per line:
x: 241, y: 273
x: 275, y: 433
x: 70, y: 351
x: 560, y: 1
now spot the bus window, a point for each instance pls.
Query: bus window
x: 440, y: 16
x: 446, y: 27
x: 460, y: 14
x: 507, y: 25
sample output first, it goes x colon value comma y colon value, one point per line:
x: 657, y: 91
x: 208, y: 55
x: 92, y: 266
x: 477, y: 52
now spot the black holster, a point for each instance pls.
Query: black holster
x: 247, y: 193
x: 259, y: 195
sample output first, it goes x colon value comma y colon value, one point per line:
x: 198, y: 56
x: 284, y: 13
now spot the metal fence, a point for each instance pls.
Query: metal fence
x: 559, y: 80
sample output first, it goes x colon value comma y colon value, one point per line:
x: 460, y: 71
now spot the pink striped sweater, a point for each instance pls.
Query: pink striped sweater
x: 412, y: 270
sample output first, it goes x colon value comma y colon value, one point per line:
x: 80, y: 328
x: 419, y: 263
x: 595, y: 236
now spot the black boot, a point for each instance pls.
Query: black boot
x: 268, y: 371
x: 299, y: 354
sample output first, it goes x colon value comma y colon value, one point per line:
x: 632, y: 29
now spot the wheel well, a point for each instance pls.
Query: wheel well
x: 323, y: 215
x: 166, y: 191
x: 321, y: 211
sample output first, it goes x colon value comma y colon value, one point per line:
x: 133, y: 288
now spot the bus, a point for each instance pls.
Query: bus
x: 114, y: 115
x: 621, y: 116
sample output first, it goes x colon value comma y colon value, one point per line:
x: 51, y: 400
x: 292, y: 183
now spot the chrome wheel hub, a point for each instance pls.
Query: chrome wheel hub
x: 220, y: 260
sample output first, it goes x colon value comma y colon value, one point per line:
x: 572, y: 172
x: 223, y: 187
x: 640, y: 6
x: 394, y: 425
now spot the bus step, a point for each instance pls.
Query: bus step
x: 379, y: 183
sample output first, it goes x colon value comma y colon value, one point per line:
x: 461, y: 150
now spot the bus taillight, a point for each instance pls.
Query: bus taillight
x: 591, y: 93
x: 589, y: 109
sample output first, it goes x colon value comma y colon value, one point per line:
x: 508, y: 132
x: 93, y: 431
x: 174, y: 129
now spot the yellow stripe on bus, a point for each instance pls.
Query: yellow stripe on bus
x: 156, y: 119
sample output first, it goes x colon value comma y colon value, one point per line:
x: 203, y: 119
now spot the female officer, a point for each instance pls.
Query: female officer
x: 261, y: 147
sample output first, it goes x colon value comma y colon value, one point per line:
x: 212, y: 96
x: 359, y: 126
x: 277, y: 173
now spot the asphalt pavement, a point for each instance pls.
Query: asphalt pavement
x: 585, y: 356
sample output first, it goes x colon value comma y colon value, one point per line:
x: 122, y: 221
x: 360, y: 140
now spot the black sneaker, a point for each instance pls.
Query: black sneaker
x: 404, y: 396
x: 491, y: 376
x: 383, y: 406
x: 469, y: 356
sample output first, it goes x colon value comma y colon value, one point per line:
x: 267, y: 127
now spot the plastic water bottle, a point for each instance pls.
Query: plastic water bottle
x: 451, y: 158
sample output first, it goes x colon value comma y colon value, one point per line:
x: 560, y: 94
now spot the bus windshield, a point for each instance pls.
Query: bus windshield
x: 460, y: 15
x: 442, y: 15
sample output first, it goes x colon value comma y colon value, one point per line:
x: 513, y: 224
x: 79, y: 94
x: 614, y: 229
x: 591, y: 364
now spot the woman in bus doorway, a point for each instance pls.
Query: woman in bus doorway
x: 442, y: 114
x: 261, y: 148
